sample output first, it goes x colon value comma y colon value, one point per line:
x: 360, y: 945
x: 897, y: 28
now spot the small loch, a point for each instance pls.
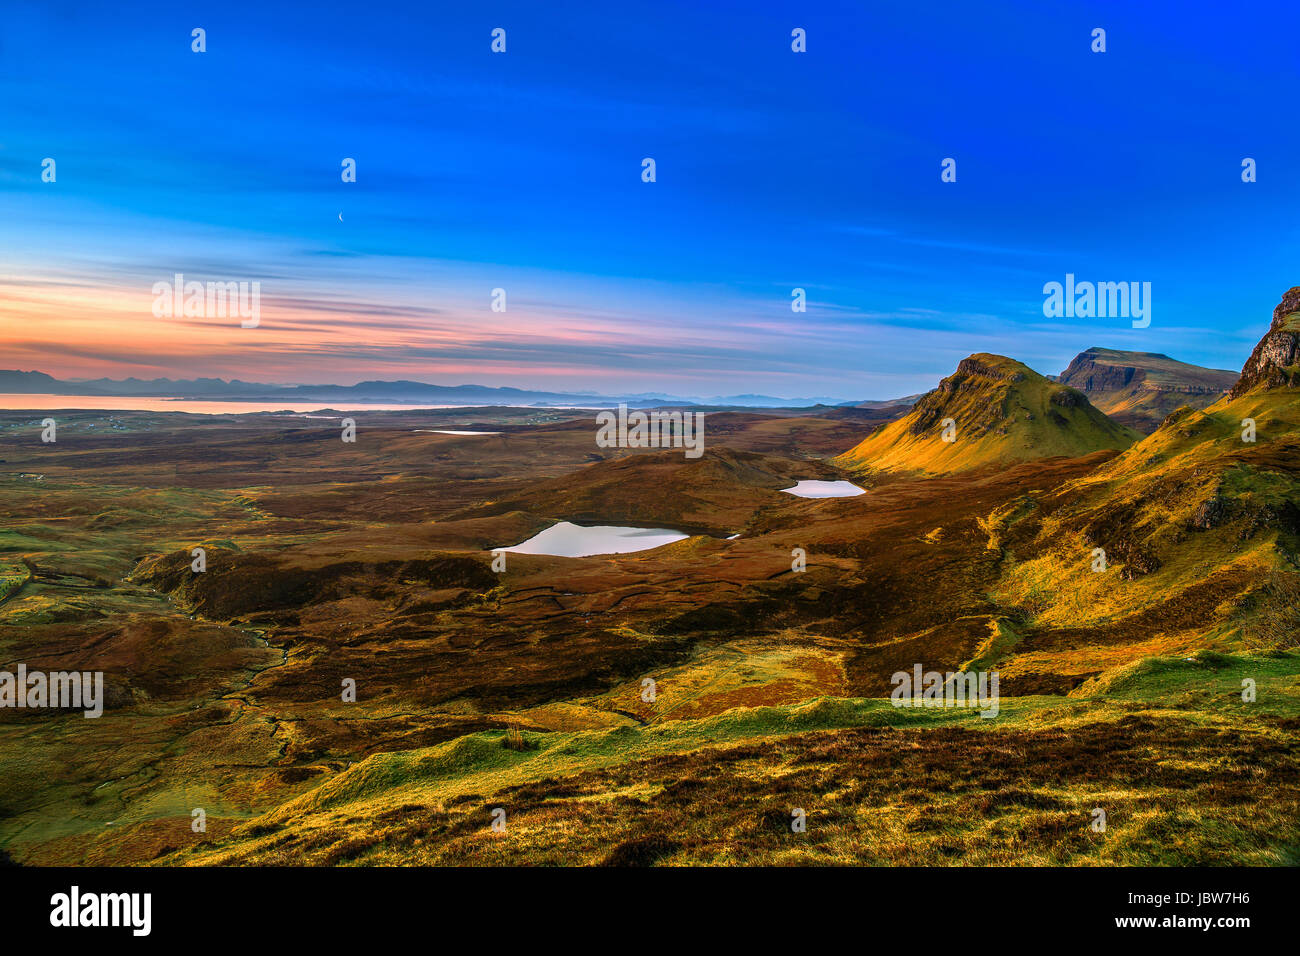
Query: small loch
x: 452, y: 431
x: 825, y: 489
x: 567, y: 540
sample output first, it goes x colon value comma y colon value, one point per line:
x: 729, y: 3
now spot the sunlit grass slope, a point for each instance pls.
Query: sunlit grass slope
x: 1167, y: 748
x: 1001, y: 411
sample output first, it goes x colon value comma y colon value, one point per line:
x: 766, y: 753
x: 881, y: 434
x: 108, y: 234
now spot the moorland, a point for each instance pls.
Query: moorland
x: 1162, y: 688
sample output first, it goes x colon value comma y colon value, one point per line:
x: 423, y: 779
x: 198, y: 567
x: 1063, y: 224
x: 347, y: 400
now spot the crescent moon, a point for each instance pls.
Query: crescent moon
x: 340, y: 217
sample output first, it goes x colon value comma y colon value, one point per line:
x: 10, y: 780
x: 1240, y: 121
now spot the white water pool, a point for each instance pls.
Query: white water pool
x: 452, y: 431
x: 825, y: 489
x: 566, y: 540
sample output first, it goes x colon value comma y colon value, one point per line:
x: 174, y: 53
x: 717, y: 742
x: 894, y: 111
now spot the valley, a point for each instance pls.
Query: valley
x: 519, y: 682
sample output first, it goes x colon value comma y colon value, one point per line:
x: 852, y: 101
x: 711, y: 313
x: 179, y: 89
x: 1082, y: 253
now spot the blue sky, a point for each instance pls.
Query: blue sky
x: 522, y: 171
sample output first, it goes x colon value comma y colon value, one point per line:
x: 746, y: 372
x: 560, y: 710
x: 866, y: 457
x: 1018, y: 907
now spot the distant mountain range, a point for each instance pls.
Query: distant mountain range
x: 1137, y: 389
x: 399, y: 392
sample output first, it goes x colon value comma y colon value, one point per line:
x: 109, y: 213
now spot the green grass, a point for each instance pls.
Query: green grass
x: 25, y: 542
x: 480, y: 763
x: 12, y: 578
x: 1161, y: 746
x: 1002, y: 638
x: 1211, y: 682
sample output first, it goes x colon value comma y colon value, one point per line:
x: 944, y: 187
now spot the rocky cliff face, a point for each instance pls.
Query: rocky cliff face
x: 1087, y: 374
x: 1140, y: 389
x: 1275, y: 363
x: 1098, y: 370
x: 976, y: 365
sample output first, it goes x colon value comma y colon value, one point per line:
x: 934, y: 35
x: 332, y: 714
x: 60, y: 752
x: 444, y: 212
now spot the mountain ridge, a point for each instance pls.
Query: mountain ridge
x: 1139, y: 389
x: 995, y: 410
x: 1197, y: 517
x: 403, y: 391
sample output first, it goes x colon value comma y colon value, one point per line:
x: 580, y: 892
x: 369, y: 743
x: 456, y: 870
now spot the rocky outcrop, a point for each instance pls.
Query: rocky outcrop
x: 1103, y: 370
x: 974, y: 366
x: 1087, y: 374
x: 1275, y: 363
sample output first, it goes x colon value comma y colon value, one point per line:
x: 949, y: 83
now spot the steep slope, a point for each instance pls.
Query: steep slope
x: 1275, y: 362
x: 1199, y: 522
x: 1139, y: 389
x: 1002, y: 412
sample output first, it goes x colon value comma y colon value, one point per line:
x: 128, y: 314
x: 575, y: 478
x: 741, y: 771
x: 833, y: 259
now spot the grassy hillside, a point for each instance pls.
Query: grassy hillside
x: 1161, y: 748
x: 1002, y: 410
x: 1203, y: 515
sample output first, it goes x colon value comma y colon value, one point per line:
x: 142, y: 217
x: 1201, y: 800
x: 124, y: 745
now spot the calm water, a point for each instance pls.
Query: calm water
x: 825, y: 489
x: 567, y: 540
x: 130, y: 403
x: 452, y: 431
x: 125, y: 403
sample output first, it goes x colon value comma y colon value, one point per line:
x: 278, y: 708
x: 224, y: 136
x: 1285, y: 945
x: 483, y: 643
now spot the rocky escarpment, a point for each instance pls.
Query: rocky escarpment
x: 1087, y: 374
x: 1200, y: 503
x: 1141, y: 388
x: 1275, y: 363
x: 1105, y: 370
